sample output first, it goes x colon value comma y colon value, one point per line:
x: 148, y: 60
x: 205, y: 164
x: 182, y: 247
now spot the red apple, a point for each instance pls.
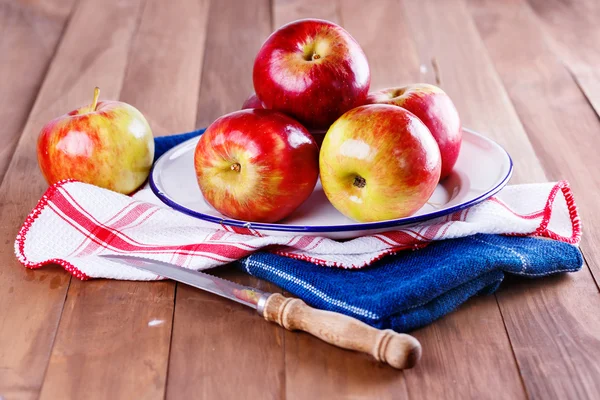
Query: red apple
x: 312, y: 70
x: 379, y: 162
x: 434, y: 107
x: 252, y: 102
x: 107, y: 143
x: 256, y: 165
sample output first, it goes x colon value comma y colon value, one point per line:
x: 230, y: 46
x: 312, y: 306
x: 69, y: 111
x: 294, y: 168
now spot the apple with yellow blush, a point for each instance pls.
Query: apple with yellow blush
x: 107, y: 144
x: 437, y: 111
x: 379, y: 162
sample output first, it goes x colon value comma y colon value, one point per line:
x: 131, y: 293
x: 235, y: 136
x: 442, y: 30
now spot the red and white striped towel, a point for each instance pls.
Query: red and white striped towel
x: 74, y: 223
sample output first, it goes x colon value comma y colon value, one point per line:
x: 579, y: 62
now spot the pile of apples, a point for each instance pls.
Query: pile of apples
x: 381, y: 157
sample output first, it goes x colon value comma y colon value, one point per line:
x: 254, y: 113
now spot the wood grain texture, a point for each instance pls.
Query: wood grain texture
x: 445, y: 31
x: 589, y: 83
x: 230, y: 53
x: 388, y: 44
x: 552, y: 109
x: 221, y: 349
x: 286, y: 11
x: 112, y: 342
x: 224, y: 350
x: 568, y: 35
x: 30, y: 311
x: 571, y: 30
x: 168, y: 42
x: 165, y: 67
x: 395, y: 61
x: 29, y: 34
x: 477, y: 332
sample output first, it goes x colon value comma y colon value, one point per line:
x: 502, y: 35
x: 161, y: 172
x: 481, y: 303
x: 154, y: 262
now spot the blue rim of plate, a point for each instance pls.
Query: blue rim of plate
x: 332, y: 228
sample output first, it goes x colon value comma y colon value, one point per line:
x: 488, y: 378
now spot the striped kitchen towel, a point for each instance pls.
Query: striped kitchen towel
x: 74, y: 223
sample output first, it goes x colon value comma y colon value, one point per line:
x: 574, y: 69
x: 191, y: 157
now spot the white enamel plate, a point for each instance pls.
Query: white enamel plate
x: 482, y: 169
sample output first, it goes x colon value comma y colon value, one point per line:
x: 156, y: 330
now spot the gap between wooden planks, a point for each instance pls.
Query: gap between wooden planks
x: 552, y: 109
x: 30, y: 303
x: 119, y: 332
x: 571, y: 36
x: 29, y: 34
x: 551, y: 301
x: 394, y: 60
x: 221, y: 349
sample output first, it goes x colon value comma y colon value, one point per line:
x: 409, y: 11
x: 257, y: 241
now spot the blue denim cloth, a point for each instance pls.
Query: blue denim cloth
x: 413, y: 288
x: 164, y: 143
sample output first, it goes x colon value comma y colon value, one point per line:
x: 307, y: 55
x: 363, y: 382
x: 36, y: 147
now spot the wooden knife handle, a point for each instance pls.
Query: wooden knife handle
x: 396, y: 349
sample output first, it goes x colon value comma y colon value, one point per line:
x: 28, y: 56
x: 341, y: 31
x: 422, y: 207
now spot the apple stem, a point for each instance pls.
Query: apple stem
x: 236, y: 167
x: 359, y: 182
x: 96, y: 95
x: 436, y: 71
x: 315, y: 56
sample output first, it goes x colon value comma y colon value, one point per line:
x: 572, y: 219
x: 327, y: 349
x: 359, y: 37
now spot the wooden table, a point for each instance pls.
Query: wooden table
x: 524, y: 72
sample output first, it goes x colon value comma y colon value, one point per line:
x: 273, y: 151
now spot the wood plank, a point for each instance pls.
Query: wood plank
x: 220, y: 349
x: 286, y: 11
x: 163, y: 75
x: 31, y: 302
x: 92, y: 347
x: 393, y: 57
x: 224, y: 350
x: 112, y: 341
x: 551, y: 106
x: 236, y: 32
x: 572, y: 31
x: 446, y: 32
x: 29, y: 34
x: 397, y: 60
x: 572, y: 34
x: 589, y: 83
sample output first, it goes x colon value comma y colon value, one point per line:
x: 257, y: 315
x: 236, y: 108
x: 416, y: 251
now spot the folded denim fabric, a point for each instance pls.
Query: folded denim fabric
x: 413, y: 288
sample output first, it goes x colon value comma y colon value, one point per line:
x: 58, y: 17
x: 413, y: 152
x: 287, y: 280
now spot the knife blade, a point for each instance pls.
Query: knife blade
x: 248, y: 296
x: 396, y: 349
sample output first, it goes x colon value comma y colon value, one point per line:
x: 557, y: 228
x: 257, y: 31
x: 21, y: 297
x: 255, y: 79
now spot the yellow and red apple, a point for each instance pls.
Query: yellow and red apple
x: 379, y: 162
x: 256, y: 165
x: 435, y: 108
x: 107, y: 143
x: 313, y: 71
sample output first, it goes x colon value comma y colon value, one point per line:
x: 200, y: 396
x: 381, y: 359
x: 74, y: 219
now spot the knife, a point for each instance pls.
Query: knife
x: 396, y: 349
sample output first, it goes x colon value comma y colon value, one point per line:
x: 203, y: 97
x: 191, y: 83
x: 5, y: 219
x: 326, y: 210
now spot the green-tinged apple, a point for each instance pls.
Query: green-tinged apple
x: 256, y: 165
x: 108, y: 144
x: 435, y: 108
x: 379, y: 162
x: 252, y: 102
x: 313, y: 71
